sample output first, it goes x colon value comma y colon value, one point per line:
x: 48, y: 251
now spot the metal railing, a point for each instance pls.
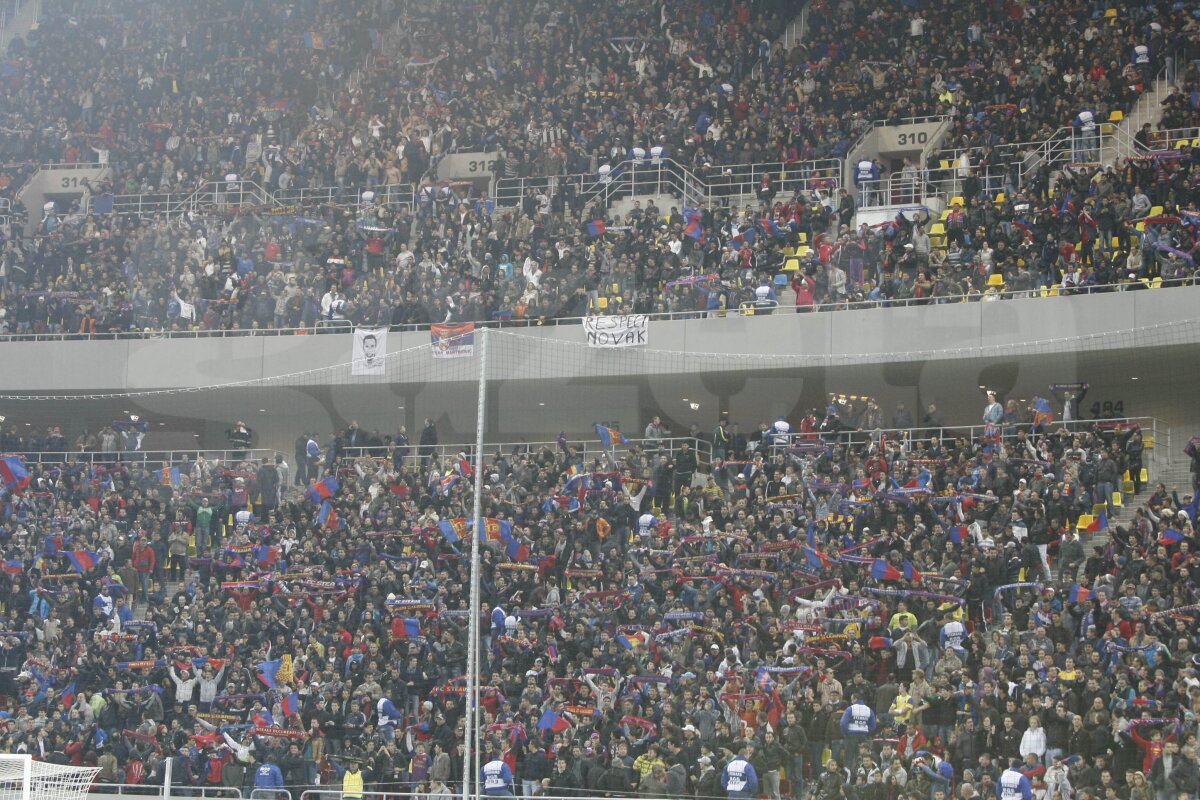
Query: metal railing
x: 588, y: 448
x: 144, y: 458
x: 57, y: 165
x: 1156, y: 435
x: 334, y: 794
x: 1020, y: 160
x: 1123, y: 144
x: 894, y: 190
x: 151, y: 790
x: 1056, y: 289
x: 245, y: 195
x: 793, y: 34
x: 712, y: 186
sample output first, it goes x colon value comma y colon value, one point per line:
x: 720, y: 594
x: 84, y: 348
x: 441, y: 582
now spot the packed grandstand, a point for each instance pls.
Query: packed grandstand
x: 285, y: 104
x: 845, y: 605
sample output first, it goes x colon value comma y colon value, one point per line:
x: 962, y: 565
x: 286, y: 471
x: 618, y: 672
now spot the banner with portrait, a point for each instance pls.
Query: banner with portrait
x: 369, y: 351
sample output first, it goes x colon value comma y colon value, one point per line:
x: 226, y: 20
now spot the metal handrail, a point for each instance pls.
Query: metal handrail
x: 151, y: 790
x: 700, y: 187
x: 894, y: 190
x: 336, y: 794
x: 144, y: 457
x: 588, y: 447
x: 216, y: 195
x: 975, y: 433
x: 1057, y: 289
x: 73, y: 165
x: 1027, y: 157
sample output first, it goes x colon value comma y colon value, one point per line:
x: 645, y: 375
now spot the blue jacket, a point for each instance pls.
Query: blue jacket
x: 1013, y: 786
x: 739, y: 778
x: 858, y: 719
x: 268, y: 776
x: 496, y: 778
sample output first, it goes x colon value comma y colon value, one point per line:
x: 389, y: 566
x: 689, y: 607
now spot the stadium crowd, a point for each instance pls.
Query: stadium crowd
x: 834, y: 610
x: 177, y: 106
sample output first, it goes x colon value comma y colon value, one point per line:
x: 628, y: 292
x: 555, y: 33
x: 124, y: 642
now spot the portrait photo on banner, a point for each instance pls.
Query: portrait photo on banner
x: 369, y: 351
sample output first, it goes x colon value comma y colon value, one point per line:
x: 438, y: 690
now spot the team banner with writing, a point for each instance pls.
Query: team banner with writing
x: 632, y: 330
x: 369, y: 351
x: 452, y: 341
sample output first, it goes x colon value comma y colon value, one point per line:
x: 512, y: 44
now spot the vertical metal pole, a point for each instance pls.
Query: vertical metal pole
x: 470, y: 749
x: 27, y: 777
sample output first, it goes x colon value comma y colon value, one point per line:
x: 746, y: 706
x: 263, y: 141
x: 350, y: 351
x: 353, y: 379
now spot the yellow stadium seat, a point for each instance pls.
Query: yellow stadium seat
x: 1110, y: 13
x: 996, y: 280
x: 1084, y: 521
x: 1182, y: 143
x: 747, y: 309
x: 1053, y: 291
x: 1044, y: 291
x: 617, y: 300
x: 1156, y: 282
x: 937, y: 229
x: 956, y: 201
x: 616, y: 288
x: 1118, y: 501
x: 1141, y: 226
x: 601, y: 303
x: 1116, y: 116
x: 1155, y: 211
x: 1196, y: 142
x: 1099, y: 508
x: 802, y: 237
x: 788, y: 251
x: 1116, y: 243
x: 1107, y: 128
x: 1128, y: 487
x: 1125, y: 477
x: 803, y: 252
x: 791, y: 264
x: 1148, y: 441
x: 1001, y: 197
x: 1144, y: 475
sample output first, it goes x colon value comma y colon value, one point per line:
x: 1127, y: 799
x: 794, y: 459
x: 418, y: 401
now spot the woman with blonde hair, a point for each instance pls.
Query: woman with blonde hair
x: 1034, y: 740
x: 1140, y: 788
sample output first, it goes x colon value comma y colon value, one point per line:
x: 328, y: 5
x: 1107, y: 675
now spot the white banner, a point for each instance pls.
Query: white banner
x: 369, y: 351
x: 629, y: 331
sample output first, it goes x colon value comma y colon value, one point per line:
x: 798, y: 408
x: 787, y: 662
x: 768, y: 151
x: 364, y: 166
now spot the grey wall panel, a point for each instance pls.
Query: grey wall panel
x: 900, y: 338
x: 63, y: 366
x: 167, y: 363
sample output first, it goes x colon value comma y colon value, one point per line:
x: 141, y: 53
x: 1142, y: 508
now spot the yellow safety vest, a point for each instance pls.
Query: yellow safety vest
x: 352, y: 784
